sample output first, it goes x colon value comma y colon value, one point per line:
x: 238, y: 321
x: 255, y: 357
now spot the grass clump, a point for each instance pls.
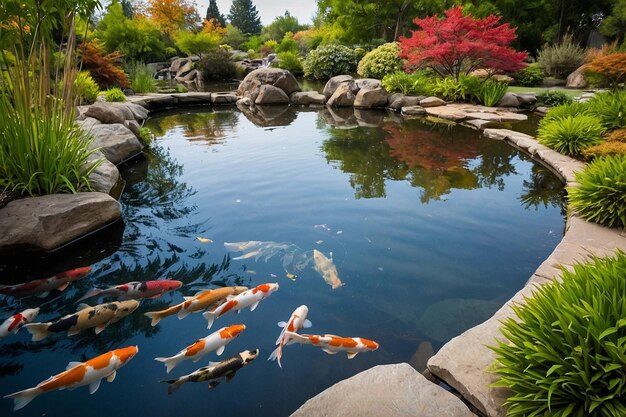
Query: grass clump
x: 566, y: 349
x: 145, y: 135
x: 142, y: 79
x: 418, y: 83
x: 601, y: 194
x: 114, y: 95
x: 571, y: 135
x: 491, y: 92
x: 610, y: 108
x: 553, y: 98
x: 86, y: 88
x: 564, y: 110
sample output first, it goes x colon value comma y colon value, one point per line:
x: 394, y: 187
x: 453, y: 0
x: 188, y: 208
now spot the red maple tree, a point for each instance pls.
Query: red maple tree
x: 459, y: 44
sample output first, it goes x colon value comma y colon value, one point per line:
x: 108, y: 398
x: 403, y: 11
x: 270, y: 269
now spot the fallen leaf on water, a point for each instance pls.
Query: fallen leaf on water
x: 339, y: 232
x: 273, y: 275
x: 204, y: 239
x: 319, y: 242
x: 250, y: 271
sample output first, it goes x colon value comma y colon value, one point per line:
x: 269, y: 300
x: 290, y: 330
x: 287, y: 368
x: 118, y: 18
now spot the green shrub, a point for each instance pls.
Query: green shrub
x: 601, y: 194
x: 141, y: 79
x: 114, y: 94
x: 571, y: 109
x: 145, y: 135
x: 87, y: 89
x: 329, y: 60
x: 610, y: 108
x: 491, y: 92
x: 565, y: 351
x: 380, y: 61
x: 553, y: 98
x: 287, y: 44
x: 561, y: 59
x: 419, y: 83
x: 452, y: 89
x: 290, y: 61
x: 531, y: 76
x: 571, y: 135
x: 217, y: 65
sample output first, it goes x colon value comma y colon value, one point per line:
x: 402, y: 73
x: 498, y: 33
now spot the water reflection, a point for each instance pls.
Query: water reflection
x: 197, y: 124
x: 269, y: 116
x: 543, y: 189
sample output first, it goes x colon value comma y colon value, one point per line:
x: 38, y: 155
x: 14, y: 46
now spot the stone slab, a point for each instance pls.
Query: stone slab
x: 117, y: 142
x: 385, y: 390
x: 193, y: 98
x: 446, y: 112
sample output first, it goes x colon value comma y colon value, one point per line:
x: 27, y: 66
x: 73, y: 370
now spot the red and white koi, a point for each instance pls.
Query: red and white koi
x: 78, y: 374
x: 199, y: 302
x: 216, y: 341
x: 98, y: 317
x: 250, y: 298
x: 42, y: 287
x: 136, y: 289
x: 15, y: 322
x: 296, y: 321
x: 332, y: 344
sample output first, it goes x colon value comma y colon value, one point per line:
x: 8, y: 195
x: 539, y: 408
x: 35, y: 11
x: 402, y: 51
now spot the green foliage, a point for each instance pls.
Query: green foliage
x: 573, y: 109
x: 217, y: 65
x: 419, y: 83
x: 282, y: 25
x: 142, y: 79
x: 291, y: 62
x: 560, y: 59
x: 491, y: 92
x: 531, y: 76
x: 287, y: 44
x: 565, y: 350
x: 380, y: 61
x: 181, y: 88
x: 244, y: 16
x: 145, y: 135
x: 330, y: 60
x: 213, y: 12
x: 200, y: 44
x: 254, y: 43
x: 233, y: 37
x: 452, y: 89
x: 600, y: 195
x: 553, y: 98
x: 610, y: 108
x: 571, y: 135
x: 86, y: 88
x: 114, y: 94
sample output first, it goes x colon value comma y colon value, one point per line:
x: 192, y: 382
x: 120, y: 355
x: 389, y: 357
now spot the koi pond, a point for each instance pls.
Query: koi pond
x: 430, y: 227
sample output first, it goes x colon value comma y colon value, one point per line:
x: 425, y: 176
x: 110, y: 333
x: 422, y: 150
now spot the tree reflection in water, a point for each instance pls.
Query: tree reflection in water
x: 543, y: 189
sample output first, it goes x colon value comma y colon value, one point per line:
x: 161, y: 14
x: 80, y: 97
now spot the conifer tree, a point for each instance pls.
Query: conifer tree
x: 245, y: 17
x: 213, y: 12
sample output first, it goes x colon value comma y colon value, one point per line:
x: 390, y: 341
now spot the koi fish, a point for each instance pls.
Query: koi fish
x: 78, y: 374
x: 215, y: 341
x: 296, y: 321
x: 99, y: 317
x: 332, y: 344
x: 42, y: 287
x: 250, y: 298
x: 199, y: 302
x: 14, y: 323
x: 136, y: 289
x: 216, y: 371
x: 326, y: 268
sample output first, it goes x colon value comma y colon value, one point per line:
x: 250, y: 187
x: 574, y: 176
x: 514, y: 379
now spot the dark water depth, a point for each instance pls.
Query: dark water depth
x: 431, y: 228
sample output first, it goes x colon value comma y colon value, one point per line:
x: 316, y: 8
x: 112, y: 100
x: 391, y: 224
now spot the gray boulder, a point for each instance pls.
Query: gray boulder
x: 105, y: 176
x: 269, y: 94
x: 116, y: 142
x: 343, y: 96
x: 333, y: 83
x: 139, y: 113
x: 223, y: 98
x: 577, y: 78
x: 109, y: 113
x: 279, y: 78
x: 414, y: 110
x: 88, y: 123
x: 50, y: 221
x: 385, y: 390
x: 432, y: 102
x: 508, y: 100
x: 403, y: 101
x: 370, y: 83
x: 368, y: 98
x: 306, y: 98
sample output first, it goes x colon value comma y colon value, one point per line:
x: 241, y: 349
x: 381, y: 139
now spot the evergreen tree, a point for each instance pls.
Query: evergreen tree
x: 244, y: 16
x: 214, y: 13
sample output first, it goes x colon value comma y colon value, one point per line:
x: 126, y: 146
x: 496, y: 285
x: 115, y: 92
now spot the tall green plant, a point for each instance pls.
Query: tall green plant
x: 565, y: 352
x: 571, y: 135
x: 142, y: 79
x: 610, y: 108
x: 41, y: 149
x: 491, y: 92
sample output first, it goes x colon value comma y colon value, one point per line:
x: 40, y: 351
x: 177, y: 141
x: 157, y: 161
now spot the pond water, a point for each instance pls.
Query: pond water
x: 431, y: 228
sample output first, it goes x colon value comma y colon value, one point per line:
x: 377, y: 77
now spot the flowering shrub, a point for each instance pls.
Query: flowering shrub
x: 381, y: 61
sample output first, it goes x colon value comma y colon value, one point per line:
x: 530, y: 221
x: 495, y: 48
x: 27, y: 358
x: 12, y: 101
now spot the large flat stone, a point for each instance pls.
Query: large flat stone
x: 385, y: 390
x: 306, y: 98
x: 51, y: 221
x: 193, y: 98
x: 116, y: 142
x: 446, y: 112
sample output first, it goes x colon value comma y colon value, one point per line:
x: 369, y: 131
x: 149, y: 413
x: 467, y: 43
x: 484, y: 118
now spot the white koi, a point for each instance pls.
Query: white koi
x: 296, y: 322
x: 215, y: 341
x: 250, y: 298
x: 15, y: 322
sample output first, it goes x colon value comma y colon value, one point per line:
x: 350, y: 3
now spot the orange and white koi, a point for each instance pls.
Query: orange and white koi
x: 332, y: 344
x: 250, y: 298
x: 15, y: 322
x: 42, y: 287
x: 215, y: 341
x: 199, y: 302
x: 78, y: 374
x: 99, y: 317
x: 136, y: 289
x: 296, y: 321
x: 326, y: 268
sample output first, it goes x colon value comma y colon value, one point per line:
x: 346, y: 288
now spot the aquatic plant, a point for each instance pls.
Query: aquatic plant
x: 601, y: 194
x: 571, y: 135
x: 565, y: 349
